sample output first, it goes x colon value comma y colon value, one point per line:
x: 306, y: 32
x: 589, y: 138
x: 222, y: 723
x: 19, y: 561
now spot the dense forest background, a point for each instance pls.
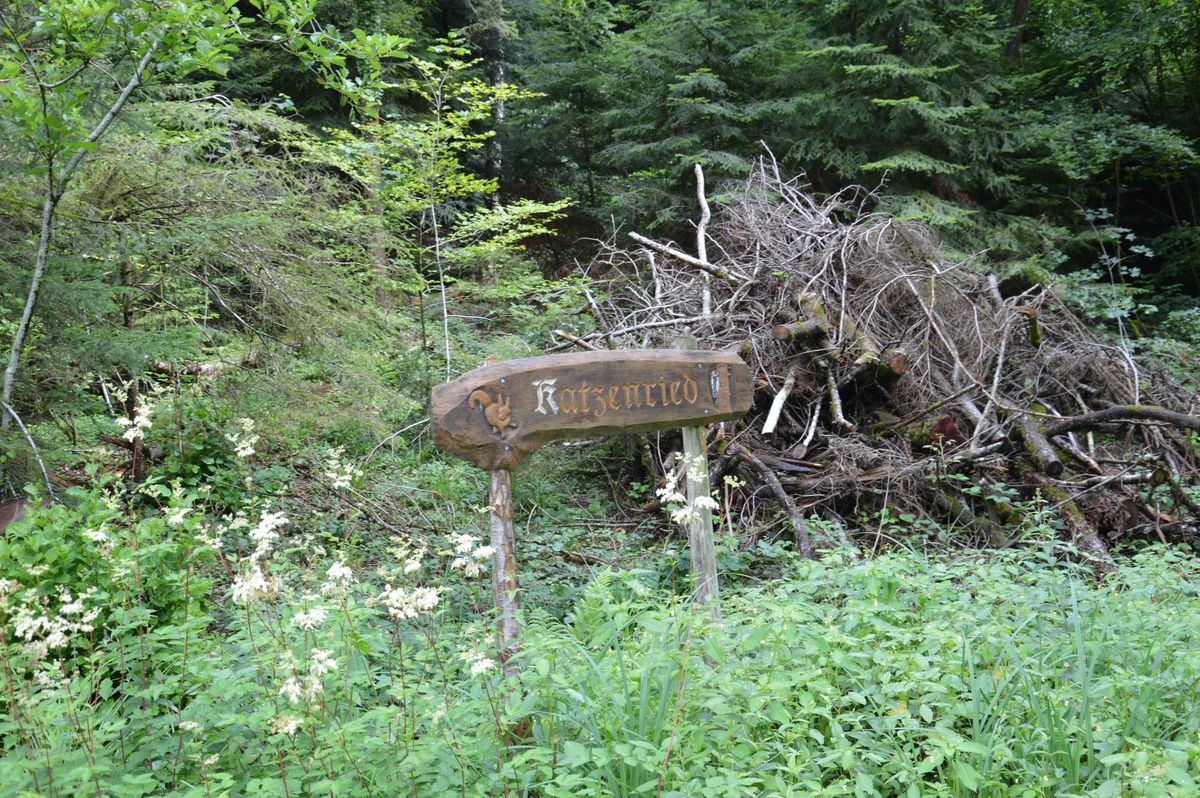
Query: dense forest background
x: 242, y: 239
x: 322, y: 155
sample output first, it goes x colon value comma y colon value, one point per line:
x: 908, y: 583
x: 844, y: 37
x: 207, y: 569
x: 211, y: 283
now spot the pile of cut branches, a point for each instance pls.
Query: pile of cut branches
x: 889, y: 378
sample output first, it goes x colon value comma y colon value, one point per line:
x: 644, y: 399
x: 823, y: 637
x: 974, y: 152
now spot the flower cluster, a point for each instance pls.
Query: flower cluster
x: 307, y: 687
x: 285, y: 724
x: 310, y: 619
x: 45, y: 630
x: 253, y: 583
x: 338, y: 579
x: 671, y: 493
x: 341, y: 475
x: 478, y: 662
x: 469, y: 556
x: 136, y: 427
x: 243, y: 439
x: 405, y: 603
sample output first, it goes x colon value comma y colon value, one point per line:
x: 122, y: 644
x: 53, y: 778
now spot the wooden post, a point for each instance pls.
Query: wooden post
x: 700, y: 526
x: 504, y: 569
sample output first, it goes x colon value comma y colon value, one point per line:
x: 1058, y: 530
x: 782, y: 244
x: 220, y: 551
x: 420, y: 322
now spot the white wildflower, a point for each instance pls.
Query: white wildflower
x: 311, y: 618
x: 96, y: 535
x: 208, y: 537
x: 322, y: 662
x: 339, y: 577
x: 463, y: 543
x: 341, y: 475
x: 312, y: 688
x: 243, y: 440
x: 175, y: 516
x: 403, y: 602
x: 291, y: 689
x: 136, y: 427
x: 706, y: 503
x: 685, y: 514
x: 285, y: 724
x: 189, y: 726
x: 478, y: 662
x: 252, y: 586
x: 733, y: 482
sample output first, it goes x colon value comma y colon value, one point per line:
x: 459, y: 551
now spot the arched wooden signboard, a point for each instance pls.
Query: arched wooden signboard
x: 497, y: 415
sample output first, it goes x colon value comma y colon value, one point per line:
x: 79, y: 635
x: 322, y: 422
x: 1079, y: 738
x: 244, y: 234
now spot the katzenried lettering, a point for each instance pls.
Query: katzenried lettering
x: 588, y: 399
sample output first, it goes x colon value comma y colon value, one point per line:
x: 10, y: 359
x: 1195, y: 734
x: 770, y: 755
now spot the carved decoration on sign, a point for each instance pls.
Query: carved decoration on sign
x: 497, y: 411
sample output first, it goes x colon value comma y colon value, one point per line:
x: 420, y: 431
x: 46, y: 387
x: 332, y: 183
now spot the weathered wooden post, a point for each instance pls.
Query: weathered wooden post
x: 504, y: 568
x: 497, y: 415
x: 701, y: 545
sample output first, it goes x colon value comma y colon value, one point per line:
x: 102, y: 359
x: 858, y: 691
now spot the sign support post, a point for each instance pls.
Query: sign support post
x: 504, y: 568
x: 701, y: 544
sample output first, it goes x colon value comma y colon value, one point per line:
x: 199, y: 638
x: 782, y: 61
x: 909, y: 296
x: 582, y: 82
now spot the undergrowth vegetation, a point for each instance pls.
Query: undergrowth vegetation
x: 150, y: 645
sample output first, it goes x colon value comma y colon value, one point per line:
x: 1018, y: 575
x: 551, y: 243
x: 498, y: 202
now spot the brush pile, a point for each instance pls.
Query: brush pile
x: 892, y: 381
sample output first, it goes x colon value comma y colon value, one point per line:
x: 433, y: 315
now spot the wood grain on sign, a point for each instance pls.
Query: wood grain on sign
x: 497, y: 415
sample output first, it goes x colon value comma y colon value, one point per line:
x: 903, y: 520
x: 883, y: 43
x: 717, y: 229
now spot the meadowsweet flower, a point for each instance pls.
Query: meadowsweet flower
x: 96, y: 535
x: 706, y: 503
x: 8, y: 587
x: 339, y: 577
x: 733, y: 482
x: 685, y: 515
x: 292, y: 690
x: 285, y: 724
x: 264, y: 534
x: 340, y: 475
x: 471, y: 558
x: 252, y: 586
x: 243, y: 440
x: 322, y: 662
x: 402, y: 602
x: 189, y: 726
x: 208, y: 537
x: 44, y: 629
x: 312, y: 688
x: 478, y: 662
x: 175, y: 516
x: 311, y: 618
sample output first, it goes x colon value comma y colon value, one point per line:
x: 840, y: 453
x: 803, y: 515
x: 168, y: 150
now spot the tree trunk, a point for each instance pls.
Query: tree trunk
x: 49, y: 205
x: 1017, y: 23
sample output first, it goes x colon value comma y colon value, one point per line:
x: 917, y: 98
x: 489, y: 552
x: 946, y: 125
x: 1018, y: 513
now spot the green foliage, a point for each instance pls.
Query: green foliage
x: 894, y: 677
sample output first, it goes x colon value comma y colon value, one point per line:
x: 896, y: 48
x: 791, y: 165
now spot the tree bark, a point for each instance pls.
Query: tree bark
x: 1017, y: 23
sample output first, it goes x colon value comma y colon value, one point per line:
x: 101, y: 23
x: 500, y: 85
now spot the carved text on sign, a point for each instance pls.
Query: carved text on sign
x: 496, y: 415
x: 596, y: 400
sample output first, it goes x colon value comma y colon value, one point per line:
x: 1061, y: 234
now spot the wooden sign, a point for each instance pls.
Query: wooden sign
x: 495, y: 416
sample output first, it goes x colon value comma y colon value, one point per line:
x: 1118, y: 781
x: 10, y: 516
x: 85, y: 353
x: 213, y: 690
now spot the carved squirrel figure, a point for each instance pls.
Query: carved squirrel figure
x: 497, y: 412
